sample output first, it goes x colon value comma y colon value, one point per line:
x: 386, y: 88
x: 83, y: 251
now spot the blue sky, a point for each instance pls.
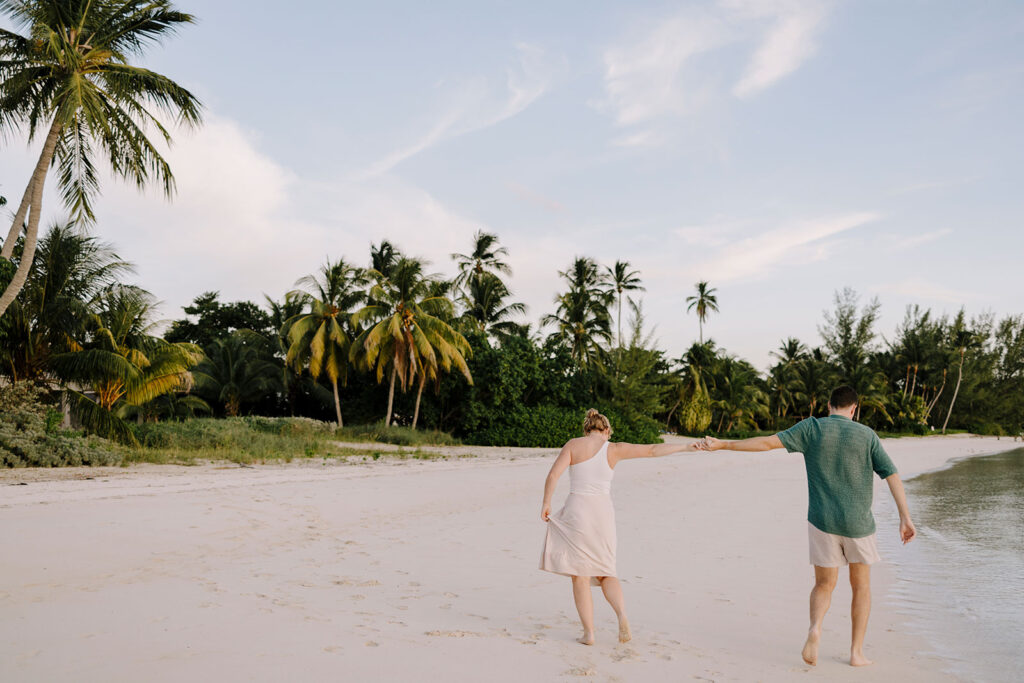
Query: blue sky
x: 781, y: 149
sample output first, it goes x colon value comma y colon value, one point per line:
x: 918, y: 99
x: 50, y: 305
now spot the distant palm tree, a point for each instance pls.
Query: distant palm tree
x: 70, y: 269
x: 486, y: 306
x: 407, y: 336
x: 485, y: 258
x: 963, y: 340
x: 622, y: 280
x: 783, y: 375
x: 320, y: 339
x: 582, y: 320
x: 123, y: 363
x: 236, y: 370
x: 704, y: 301
x: 70, y: 76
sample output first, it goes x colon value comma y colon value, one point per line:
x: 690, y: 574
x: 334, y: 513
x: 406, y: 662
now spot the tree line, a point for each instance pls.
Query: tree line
x: 386, y: 340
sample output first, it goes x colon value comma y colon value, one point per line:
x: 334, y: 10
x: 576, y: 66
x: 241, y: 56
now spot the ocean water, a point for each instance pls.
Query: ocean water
x: 961, y: 581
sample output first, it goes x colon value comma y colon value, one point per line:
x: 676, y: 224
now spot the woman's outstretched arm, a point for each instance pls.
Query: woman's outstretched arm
x: 560, y: 465
x: 628, y: 451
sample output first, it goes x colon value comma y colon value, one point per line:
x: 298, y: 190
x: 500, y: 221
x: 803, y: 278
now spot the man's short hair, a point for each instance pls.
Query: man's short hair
x: 843, y: 397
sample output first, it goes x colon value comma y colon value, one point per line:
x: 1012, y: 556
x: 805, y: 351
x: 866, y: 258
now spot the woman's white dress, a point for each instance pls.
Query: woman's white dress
x: 581, y: 536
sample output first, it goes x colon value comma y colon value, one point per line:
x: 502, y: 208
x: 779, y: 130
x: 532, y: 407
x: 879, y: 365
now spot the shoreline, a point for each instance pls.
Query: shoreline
x: 391, y: 568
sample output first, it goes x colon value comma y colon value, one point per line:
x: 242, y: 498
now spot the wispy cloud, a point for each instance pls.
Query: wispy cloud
x: 475, y: 106
x: 659, y: 72
x: 912, y: 241
x: 760, y: 254
x: 920, y: 289
x: 788, y: 43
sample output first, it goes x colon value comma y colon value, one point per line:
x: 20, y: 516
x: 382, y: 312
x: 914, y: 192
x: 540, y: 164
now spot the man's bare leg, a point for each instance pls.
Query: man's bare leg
x: 821, y: 599
x: 585, y: 606
x: 613, y: 594
x: 860, y: 582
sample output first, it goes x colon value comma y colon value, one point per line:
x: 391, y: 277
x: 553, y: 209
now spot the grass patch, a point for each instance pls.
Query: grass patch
x: 247, y: 440
x: 400, y: 436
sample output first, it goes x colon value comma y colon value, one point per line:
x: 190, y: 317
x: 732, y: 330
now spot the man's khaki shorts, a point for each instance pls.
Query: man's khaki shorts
x: 829, y: 550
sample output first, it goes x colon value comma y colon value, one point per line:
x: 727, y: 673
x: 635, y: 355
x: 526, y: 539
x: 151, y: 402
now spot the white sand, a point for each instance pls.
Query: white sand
x: 417, y: 571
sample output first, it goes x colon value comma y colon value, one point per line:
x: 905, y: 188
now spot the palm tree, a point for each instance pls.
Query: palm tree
x: 783, y: 374
x: 70, y: 269
x: 812, y: 381
x: 704, y: 301
x: 739, y: 398
x: 582, y: 319
x: 622, y: 280
x: 71, y: 76
x: 320, y: 339
x: 486, y: 307
x: 407, y: 336
x: 124, y: 364
x: 485, y: 258
x: 963, y: 339
x: 236, y: 370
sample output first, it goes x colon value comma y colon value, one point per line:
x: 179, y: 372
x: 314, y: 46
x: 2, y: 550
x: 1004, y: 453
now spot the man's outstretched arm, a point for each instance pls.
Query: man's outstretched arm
x: 757, y: 443
x: 907, y: 528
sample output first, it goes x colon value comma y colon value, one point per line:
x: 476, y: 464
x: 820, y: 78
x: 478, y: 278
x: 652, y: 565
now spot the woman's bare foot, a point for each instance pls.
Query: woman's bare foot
x: 625, y: 635
x: 858, y: 659
x: 586, y: 639
x: 810, y: 653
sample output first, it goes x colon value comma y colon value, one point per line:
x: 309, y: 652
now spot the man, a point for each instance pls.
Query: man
x: 840, y: 456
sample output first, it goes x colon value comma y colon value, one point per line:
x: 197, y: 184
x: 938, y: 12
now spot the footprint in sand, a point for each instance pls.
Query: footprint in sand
x: 445, y: 606
x: 453, y: 634
x: 581, y: 671
x: 450, y: 595
x: 370, y: 643
x: 622, y: 653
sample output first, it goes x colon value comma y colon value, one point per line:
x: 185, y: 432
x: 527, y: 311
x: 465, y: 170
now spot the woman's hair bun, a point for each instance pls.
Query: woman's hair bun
x: 595, y: 420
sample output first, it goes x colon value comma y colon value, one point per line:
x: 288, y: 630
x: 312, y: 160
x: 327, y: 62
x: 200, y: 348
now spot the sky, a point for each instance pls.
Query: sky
x: 779, y: 149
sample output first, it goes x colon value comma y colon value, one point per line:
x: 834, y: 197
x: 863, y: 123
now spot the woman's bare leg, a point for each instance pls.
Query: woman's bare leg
x: 585, y: 606
x: 613, y: 594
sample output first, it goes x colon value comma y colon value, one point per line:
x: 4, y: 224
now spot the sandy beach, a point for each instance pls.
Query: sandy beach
x: 417, y: 570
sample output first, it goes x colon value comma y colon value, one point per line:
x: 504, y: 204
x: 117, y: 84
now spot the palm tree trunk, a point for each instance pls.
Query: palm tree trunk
x: 17, y: 224
x: 391, y: 396
x: 416, y: 413
x: 700, y: 323
x: 32, y: 231
x: 959, y: 376
x: 620, y: 319
x: 913, y: 384
x: 337, y: 402
x: 935, y: 399
x: 906, y: 382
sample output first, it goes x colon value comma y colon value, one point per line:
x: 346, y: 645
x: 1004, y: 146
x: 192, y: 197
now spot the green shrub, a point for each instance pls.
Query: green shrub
x: 30, y: 434
x: 552, y: 426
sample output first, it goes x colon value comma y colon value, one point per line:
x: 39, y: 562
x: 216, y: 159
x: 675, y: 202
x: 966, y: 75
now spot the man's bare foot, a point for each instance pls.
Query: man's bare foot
x: 625, y: 635
x: 858, y: 659
x: 810, y: 653
x: 586, y: 639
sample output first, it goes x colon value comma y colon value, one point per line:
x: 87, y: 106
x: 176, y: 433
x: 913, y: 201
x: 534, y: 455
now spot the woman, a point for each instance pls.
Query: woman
x: 580, y: 542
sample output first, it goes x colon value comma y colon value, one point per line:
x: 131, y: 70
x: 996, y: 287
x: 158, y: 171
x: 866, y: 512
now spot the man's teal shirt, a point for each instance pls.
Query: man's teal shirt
x: 840, y: 456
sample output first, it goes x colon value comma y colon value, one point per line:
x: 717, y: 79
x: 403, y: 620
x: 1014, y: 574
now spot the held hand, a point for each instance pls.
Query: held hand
x: 545, y: 512
x: 712, y: 444
x: 907, y: 531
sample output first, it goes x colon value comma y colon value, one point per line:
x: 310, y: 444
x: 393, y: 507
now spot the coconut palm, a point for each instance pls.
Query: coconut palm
x: 70, y: 76
x: 736, y: 395
x: 582, y: 320
x: 622, y: 280
x: 486, y: 307
x: 782, y: 376
x: 122, y: 362
x: 962, y: 340
x: 70, y: 268
x: 406, y: 335
x: 704, y: 301
x: 236, y: 370
x: 320, y: 339
x: 485, y: 258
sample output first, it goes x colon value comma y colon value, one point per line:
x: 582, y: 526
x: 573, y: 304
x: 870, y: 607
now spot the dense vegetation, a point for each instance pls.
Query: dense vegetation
x: 389, y: 344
